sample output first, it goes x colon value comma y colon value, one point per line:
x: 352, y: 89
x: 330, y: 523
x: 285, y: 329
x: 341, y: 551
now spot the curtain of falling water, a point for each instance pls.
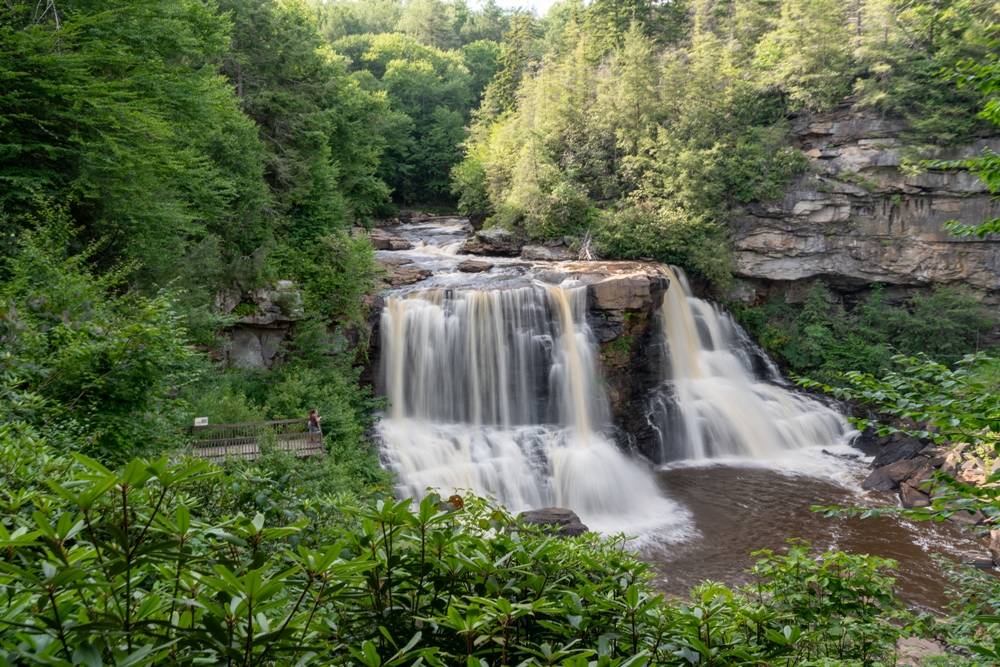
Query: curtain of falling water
x: 718, y: 396
x: 499, y: 392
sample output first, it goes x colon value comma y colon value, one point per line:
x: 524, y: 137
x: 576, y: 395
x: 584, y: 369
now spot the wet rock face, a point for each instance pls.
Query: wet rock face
x: 556, y: 520
x: 555, y: 253
x: 857, y: 218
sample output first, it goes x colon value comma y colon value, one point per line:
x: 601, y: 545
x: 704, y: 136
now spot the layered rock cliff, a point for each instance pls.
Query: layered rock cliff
x: 858, y: 216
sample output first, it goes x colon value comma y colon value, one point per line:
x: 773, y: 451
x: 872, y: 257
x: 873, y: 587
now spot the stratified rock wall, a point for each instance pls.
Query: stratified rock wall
x: 858, y: 218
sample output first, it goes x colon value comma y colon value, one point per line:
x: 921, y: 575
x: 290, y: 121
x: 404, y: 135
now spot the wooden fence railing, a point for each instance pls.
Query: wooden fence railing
x: 217, y: 442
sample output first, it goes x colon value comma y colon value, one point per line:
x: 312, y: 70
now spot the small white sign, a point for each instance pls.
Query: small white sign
x: 201, y: 421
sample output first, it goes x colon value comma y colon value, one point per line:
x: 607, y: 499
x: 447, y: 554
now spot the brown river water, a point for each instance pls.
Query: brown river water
x: 736, y: 510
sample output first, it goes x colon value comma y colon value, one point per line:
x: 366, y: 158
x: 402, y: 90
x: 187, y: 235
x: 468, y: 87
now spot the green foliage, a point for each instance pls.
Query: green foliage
x: 314, y: 119
x: 431, y: 92
x: 821, y: 339
x: 334, y: 271
x: 665, y: 235
x: 117, y: 111
x: 842, y: 605
x: 673, y: 138
x: 984, y: 76
x: 132, y: 554
x: 682, y: 107
x: 93, y: 366
x: 184, y: 178
x: 808, y: 53
x: 909, y: 53
x: 974, y: 611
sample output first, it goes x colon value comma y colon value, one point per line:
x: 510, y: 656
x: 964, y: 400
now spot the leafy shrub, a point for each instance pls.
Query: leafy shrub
x: 123, y: 567
x: 822, y: 339
x: 82, y: 357
x: 335, y: 272
x: 664, y: 234
x: 974, y: 611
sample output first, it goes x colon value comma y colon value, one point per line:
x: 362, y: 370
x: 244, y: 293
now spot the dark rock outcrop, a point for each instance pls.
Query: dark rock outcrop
x: 856, y: 218
x: 897, y: 447
x: 910, y: 496
x: 555, y: 520
x: 255, y: 339
x: 889, y: 477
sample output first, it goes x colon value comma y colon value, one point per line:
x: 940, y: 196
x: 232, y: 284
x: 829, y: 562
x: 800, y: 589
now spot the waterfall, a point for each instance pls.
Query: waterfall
x: 499, y: 392
x: 720, y: 395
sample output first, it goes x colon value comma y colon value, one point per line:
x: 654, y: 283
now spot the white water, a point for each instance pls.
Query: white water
x: 499, y: 392
x: 719, y: 398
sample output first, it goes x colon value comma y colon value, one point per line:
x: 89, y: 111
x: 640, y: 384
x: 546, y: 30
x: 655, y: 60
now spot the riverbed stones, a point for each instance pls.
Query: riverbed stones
x: 912, y: 497
x: 383, y: 240
x: 475, y: 266
x: 995, y: 546
x: 494, y: 241
x: 556, y: 520
x: 406, y: 275
x: 400, y: 271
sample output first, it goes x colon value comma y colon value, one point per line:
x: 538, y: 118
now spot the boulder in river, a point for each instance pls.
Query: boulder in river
x: 494, y: 241
x: 897, y: 447
x: 889, y: 477
x: 912, y: 496
x: 402, y: 272
x: 383, y: 240
x: 475, y: 266
x: 556, y: 520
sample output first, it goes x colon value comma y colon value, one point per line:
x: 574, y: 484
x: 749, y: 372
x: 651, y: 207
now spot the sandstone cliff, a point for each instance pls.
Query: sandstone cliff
x: 857, y: 217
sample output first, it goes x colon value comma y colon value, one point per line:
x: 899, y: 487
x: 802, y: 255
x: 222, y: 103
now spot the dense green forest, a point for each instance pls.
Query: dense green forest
x: 158, y: 159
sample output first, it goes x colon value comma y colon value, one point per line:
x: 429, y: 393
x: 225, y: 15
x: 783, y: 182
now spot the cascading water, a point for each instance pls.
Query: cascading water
x: 719, y: 396
x: 499, y: 392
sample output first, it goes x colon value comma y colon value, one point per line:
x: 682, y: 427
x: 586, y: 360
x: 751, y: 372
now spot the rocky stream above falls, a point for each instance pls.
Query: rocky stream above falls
x: 609, y: 389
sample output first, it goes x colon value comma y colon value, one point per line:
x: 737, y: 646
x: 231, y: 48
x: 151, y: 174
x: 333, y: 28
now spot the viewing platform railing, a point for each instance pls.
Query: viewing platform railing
x: 218, y: 442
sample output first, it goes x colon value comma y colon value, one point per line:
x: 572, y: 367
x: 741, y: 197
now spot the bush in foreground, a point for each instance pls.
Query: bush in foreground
x: 102, y: 566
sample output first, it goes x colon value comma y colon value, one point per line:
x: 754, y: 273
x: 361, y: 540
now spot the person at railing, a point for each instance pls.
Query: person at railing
x: 314, y: 430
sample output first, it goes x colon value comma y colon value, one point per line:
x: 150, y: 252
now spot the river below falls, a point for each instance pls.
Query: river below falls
x: 738, y: 509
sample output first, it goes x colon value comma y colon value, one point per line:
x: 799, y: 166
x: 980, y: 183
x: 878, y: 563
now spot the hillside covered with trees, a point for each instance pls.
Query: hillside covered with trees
x: 163, y: 164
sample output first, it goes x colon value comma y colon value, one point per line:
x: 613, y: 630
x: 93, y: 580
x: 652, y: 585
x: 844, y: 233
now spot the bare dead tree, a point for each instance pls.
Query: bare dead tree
x: 43, y: 9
